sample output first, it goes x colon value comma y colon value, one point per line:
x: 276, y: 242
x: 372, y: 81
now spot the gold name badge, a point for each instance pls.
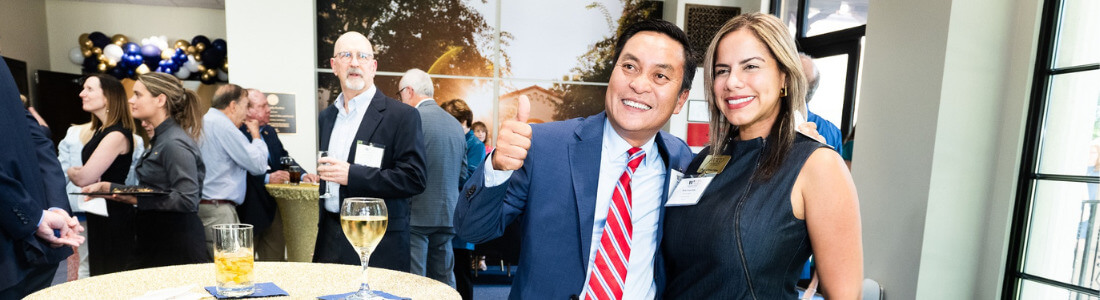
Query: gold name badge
x: 713, y: 164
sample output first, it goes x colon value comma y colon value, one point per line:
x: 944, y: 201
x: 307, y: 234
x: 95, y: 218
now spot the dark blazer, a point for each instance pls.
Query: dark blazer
x: 396, y: 126
x: 30, y: 182
x: 555, y: 191
x: 259, y: 208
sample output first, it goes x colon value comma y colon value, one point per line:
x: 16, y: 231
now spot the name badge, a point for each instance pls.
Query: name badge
x: 673, y: 179
x: 688, y: 191
x: 368, y: 154
x: 713, y: 164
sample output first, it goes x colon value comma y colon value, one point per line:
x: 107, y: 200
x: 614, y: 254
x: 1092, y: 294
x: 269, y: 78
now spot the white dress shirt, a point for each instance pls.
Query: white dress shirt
x: 343, y: 134
x: 645, y: 185
x: 228, y: 155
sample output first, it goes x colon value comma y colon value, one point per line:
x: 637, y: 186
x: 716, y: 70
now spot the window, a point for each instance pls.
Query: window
x: 1053, y: 250
x: 830, y: 31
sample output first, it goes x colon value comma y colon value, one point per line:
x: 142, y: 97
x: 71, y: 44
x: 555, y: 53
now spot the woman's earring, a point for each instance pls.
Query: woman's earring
x: 783, y: 91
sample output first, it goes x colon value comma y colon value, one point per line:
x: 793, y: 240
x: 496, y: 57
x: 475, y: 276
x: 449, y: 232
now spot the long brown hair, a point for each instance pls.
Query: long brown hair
x: 773, y: 34
x: 182, y: 104
x: 118, y: 109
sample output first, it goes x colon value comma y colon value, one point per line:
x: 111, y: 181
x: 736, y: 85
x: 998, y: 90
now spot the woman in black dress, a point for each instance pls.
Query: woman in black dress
x: 781, y: 197
x: 107, y: 157
x: 169, y: 231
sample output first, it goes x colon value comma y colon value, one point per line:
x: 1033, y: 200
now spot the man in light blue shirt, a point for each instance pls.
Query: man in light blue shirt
x: 228, y: 155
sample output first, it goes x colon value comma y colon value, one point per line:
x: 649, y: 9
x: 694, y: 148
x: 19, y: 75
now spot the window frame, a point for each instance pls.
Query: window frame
x: 1029, y: 174
x: 846, y: 41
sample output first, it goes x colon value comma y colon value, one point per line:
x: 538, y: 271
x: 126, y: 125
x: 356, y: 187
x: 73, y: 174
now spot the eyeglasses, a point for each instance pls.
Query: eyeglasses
x: 402, y: 90
x: 346, y: 56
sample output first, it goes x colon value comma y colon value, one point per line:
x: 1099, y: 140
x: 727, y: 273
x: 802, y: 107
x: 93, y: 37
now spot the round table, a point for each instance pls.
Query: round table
x: 300, y: 280
x: 298, y: 207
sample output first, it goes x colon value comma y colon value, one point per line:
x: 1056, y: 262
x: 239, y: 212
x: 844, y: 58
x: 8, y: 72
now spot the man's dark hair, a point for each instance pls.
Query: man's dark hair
x: 227, y: 94
x: 666, y: 28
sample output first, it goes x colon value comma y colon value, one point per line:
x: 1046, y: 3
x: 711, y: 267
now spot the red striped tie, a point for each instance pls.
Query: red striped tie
x: 607, y: 278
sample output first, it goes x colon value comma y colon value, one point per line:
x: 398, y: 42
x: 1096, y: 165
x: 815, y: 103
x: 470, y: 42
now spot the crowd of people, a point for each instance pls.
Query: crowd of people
x: 771, y: 197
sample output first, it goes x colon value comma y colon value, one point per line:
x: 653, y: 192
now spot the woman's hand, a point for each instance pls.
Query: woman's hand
x: 105, y: 187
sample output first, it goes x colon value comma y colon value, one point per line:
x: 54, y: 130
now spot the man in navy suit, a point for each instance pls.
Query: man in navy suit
x: 259, y: 208
x: 564, y: 188
x: 36, y: 228
x: 376, y: 149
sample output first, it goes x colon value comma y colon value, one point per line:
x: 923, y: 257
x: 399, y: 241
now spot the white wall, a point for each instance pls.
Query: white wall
x: 66, y: 20
x: 945, y: 85
x: 273, y: 48
x: 23, y: 36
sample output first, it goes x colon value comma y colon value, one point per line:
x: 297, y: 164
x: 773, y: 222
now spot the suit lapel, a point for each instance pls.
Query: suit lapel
x: 584, y: 160
x: 371, y: 118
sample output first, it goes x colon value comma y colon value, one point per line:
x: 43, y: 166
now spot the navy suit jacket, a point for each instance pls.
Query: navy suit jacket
x: 555, y: 192
x: 30, y: 182
x: 259, y: 208
x: 396, y: 126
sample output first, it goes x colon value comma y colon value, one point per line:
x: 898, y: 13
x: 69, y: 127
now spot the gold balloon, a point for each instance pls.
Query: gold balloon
x: 102, y: 58
x: 119, y: 39
x: 200, y: 47
x: 83, y: 37
x: 205, y: 77
x: 86, y: 52
x: 225, y: 67
x: 142, y: 69
x: 198, y: 57
x: 102, y: 67
x: 202, y: 69
x: 111, y: 63
x: 97, y: 50
x: 86, y: 45
x: 191, y: 50
x: 167, y: 53
x: 181, y: 44
x: 211, y: 72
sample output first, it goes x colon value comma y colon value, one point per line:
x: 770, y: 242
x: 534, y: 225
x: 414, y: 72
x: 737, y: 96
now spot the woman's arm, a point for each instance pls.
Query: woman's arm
x: 830, y: 207
x: 112, y: 145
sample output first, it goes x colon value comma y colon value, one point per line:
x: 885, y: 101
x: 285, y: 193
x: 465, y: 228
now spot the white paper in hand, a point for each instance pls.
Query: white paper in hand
x: 95, y: 206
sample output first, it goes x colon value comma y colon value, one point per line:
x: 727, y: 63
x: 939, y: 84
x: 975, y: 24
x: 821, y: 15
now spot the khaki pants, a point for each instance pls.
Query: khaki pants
x: 215, y: 214
x: 272, y: 245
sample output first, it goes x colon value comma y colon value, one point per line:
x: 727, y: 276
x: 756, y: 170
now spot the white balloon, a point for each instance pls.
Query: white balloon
x: 112, y: 52
x: 183, y: 73
x: 223, y: 76
x: 191, y: 64
x: 162, y: 42
x: 76, y: 56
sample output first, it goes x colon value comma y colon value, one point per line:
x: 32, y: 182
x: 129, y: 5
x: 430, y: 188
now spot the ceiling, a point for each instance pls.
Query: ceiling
x: 212, y: 4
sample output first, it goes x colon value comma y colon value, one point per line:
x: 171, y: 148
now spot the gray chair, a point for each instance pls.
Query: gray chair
x: 872, y: 290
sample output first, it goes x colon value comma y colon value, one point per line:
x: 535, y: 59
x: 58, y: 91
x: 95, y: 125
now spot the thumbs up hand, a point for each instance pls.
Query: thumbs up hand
x: 514, y: 139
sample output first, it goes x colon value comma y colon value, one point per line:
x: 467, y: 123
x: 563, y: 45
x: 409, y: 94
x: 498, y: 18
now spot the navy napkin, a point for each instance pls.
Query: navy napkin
x: 382, y: 294
x: 265, y: 289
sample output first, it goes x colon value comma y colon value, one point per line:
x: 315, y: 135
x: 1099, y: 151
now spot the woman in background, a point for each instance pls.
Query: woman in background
x: 107, y: 156
x: 482, y: 134
x: 781, y: 197
x: 169, y: 231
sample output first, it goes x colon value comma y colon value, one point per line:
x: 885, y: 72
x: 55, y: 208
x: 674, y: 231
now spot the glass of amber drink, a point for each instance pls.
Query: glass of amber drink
x: 233, y: 259
x: 364, y: 221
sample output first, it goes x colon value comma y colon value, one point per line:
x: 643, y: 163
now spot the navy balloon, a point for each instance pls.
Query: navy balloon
x: 200, y: 39
x: 212, y: 59
x: 151, y: 62
x: 131, y: 47
x: 99, y: 39
x: 219, y: 45
x: 90, y: 64
x: 117, y: 72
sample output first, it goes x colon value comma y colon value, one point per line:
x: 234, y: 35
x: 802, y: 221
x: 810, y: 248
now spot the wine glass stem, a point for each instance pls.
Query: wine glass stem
x: 364, y: 289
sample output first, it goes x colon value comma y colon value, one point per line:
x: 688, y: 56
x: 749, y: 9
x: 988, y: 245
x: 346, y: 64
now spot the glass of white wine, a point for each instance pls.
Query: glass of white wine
x: 364, y: 221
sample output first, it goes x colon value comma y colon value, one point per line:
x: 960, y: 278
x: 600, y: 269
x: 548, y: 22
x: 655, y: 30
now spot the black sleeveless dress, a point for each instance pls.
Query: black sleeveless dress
x: 741, y: 241
x: 111, y: 239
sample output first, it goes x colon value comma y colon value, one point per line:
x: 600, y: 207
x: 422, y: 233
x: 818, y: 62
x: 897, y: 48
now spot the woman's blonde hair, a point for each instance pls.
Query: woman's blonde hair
x: 773, y: 34
x: 182, y: 104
